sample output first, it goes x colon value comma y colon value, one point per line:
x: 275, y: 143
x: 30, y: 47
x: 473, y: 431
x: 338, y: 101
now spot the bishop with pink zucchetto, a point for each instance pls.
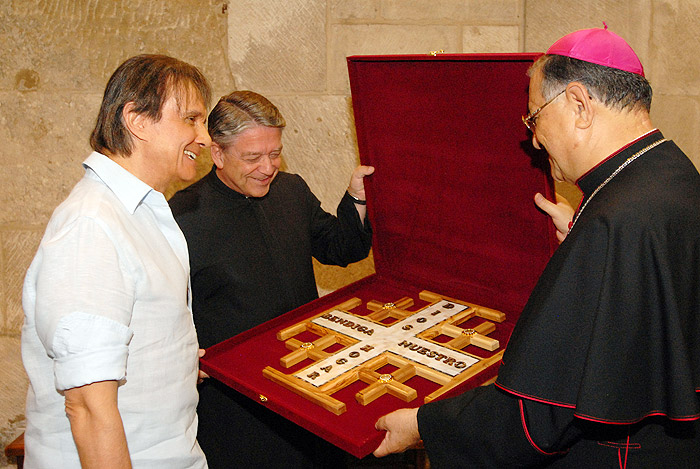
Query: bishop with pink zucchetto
x: 603, y: 366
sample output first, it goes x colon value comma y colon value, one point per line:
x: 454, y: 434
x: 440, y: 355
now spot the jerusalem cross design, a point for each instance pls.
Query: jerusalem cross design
x: 367, y: 343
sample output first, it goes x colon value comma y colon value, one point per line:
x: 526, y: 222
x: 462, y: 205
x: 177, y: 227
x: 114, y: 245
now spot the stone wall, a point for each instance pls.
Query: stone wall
x: 56, y: 56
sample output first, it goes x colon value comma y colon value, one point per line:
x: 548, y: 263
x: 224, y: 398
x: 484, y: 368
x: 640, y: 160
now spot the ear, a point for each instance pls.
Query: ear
x: 217, y: 155
x: 580, y: 101
x: 135, y: 123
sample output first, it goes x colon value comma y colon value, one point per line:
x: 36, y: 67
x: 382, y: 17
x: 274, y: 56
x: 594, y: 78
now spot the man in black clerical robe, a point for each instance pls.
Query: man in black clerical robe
x: 603, y: 367
x: 251, y: 232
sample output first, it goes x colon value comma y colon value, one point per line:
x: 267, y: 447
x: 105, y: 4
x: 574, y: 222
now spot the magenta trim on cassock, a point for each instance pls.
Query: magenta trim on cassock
x: 686, y: 418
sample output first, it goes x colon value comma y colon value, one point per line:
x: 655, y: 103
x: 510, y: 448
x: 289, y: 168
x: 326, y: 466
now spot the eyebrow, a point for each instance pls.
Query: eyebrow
x: 250, y: 153
x: 193, y: 113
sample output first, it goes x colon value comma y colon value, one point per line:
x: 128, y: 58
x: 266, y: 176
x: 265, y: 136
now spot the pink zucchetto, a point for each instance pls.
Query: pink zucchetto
x: 598, y: 46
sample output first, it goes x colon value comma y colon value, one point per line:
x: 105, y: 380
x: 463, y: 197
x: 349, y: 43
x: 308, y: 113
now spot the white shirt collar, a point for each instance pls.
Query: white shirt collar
x: 129, y: 189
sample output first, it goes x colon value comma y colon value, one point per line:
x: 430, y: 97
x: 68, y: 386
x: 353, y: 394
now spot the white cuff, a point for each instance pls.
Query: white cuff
x: 89, y: 348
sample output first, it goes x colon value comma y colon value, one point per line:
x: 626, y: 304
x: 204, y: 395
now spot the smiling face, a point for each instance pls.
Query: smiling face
x: 172, y: 144
x: 251, y: 162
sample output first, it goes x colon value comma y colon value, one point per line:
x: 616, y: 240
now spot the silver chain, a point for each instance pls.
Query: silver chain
x: 622, y: 166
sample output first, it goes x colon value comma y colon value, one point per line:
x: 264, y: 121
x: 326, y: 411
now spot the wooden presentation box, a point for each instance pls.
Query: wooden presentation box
x: 451, y: 207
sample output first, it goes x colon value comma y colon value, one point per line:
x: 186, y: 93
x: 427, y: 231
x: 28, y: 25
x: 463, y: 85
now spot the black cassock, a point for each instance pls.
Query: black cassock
x: 250, y: 261
x: 603, y: 367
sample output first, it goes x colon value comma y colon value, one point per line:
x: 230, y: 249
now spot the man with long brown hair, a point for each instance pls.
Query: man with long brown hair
x: 108, y: 340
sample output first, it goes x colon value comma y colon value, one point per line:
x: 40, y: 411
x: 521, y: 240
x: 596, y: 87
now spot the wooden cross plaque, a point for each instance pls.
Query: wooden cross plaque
x: 361, y: 345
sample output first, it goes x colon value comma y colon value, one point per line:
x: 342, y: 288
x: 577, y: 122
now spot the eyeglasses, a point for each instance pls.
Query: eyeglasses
x: 530, y: 120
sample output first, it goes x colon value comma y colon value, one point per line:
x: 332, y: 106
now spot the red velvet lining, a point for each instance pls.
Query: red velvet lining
x: 239, y: 361
x: 451, y: 199
x: 452, y: 212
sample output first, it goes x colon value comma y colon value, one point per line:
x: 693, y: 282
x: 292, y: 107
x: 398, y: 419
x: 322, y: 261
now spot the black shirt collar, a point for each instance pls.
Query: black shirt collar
x: 599, y: 173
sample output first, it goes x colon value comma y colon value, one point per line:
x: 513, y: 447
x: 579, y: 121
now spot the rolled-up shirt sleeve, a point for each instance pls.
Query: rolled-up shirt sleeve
x: 88, y: 349
x: 85, y: 295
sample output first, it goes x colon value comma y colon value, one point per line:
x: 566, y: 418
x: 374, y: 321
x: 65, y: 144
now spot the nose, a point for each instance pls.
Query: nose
x: 535, y: 142
x: 203, y: 139
x: 266, y: 166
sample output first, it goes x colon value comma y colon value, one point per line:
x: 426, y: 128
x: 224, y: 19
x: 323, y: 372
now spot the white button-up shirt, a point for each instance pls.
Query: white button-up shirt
x: 107, y: 298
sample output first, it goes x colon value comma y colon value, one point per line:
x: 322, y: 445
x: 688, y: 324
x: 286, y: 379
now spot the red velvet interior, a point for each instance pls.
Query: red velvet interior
x: 239, y: 362
x: 451, y: 199
x: 451, y: 207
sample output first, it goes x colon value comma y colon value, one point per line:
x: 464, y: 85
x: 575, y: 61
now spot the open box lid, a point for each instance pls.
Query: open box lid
x: 452, y: 212
x: 451, y: 199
